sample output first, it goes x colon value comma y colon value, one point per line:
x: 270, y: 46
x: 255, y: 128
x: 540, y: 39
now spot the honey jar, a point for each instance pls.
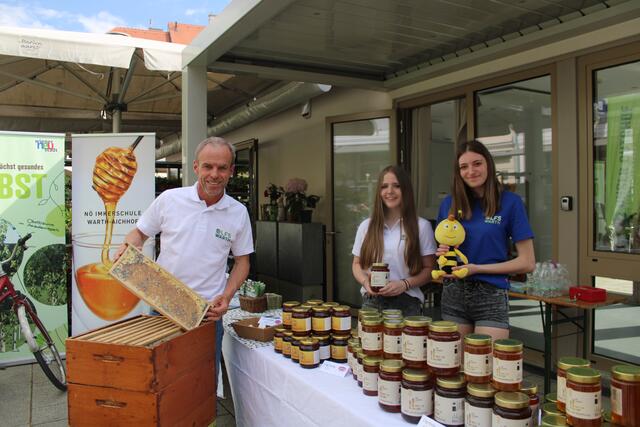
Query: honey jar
x: 478, y: 405
x: 324, y: 342
x: 295, y: 347
x: 389, y: 384
x: 330, y: 305
x: 449, y: 400
x: 286, y: 344
x: 350, y: 343
x: 507, y: 364
x: 625, y: 395
x: 341, y: 320
x: 339, y: 348
x: 359, y: 367
x: 287, y: 309
x: 301, y: 321
x: 531, y: 390
x: 565, y: 363
x: 583, y: 397
x: 277, y: 339
x: 370, y: 371
x: 314, y: 302
x: 392, y: 338
x: 478, y: 358
x: 511, y: 409
x: 356, y: 348
x: 550, y: 408
x: 391, y: 313
x: 371, y: 337
x: 364, y: 312
x: 379, y: 276
x: 309, y: 353
x: 414, y: 341
x: 553, y: 421
x: 443, y: 348
x: 416, y: 395
x: 321, y: 319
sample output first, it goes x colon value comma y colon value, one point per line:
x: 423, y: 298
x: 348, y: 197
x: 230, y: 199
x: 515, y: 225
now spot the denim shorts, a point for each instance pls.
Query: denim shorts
x: 474, y: 302
x: 410, y: 306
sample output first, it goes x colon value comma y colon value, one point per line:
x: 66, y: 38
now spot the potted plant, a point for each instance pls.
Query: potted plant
x: 298, y: 204
x: 270, y: 210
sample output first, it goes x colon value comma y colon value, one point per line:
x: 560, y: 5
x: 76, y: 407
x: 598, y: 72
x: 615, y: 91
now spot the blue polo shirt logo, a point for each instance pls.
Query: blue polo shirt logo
x: 496, y: 219
x: 224, y: 235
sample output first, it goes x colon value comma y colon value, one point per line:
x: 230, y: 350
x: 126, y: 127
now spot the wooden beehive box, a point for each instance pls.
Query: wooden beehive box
x: 143, y: 371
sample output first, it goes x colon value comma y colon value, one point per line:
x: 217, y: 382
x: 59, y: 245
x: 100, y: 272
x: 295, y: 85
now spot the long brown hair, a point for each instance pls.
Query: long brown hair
x: 461, y: 193
x: 373, y: 244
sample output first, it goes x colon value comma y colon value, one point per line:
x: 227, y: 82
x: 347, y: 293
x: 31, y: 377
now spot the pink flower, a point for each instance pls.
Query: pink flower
x: 296, y: 185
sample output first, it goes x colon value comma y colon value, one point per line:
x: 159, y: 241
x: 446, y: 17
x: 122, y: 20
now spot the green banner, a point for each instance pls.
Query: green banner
x: 32, y: 200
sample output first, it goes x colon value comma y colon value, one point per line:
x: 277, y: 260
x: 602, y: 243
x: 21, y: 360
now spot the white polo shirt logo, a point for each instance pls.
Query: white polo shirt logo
x: 224, y: 235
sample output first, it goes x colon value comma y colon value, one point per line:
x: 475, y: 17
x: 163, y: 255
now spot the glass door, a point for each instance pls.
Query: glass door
x: 360, y: 149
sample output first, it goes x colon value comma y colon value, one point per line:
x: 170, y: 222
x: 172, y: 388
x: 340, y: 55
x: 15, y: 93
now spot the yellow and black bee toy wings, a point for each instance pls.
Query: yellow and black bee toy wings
x: 450, y: 232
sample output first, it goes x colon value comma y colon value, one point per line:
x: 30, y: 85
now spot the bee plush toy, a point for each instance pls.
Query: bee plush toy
x: 450, y: 232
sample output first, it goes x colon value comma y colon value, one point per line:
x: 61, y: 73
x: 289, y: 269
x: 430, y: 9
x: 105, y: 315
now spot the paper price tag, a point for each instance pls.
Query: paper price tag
x: 266, y: 321
x: 333, y: 368
x: 428, y: 422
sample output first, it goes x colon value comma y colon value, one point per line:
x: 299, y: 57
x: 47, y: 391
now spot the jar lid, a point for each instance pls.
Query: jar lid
x: 388, y: 311
x: 379, y: 264
x: 370, y: 315
x: 509, y: 345
x: 360, y: 353
x: 565, y: 363
x: 371, y: 360
x: 393, y: 323
x: 301, y: 309
x: 314, y: 302
x: 354, y: 333
x: 512, y: 400
x: 550, y: 408
x: 309, y: 341
x: 331, y: 304
x: 367, y: 310
x: 341, y: 337
x: 481, y: 390
x: 477, y: 339
x: 353, y: 341
x: 321, y: 337
x: 583, y: 375
x: 417, y: 321
x: 280, y: 329
x: 551, y: 397
x: 356, y: 348
x: 341, y: 308
x: 288, y: 333
x: 299, y: 337
x: 392, y: 316
x: 391, y: 365
x: 320, y: 309
x: 529, y: 388
x: 553, y: 421
x: 307, y: 306
x: 371, y: 321
x: 443, y: 326
x: 456, y: 381
x: 626, y: 373
x: 415, y: 374
x: 289, y: 304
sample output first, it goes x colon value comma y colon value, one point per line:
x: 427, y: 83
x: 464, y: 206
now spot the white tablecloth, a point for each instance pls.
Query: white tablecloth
x: 270, y: 390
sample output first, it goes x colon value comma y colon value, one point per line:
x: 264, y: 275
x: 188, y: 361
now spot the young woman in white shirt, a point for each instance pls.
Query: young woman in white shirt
x: 394, y: 235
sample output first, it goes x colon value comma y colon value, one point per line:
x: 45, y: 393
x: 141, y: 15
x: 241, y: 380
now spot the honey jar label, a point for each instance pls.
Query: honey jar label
x: 443, y: 354
x: 321, y: 324
x: 277, y: 343
x: 499, y: 421
x: 370, y: 381
x: 448, y: 410
x: 339, y: 352
x: 478, y: 365
x: 616, y: 400
x: 389, y: 392
x: 309, y: 357
x: 379, y: 279
x: 295, y: 352
x: 286, y: 347
x: 286, y: 318
x: 507, y: 371
x: 341, y: 323
x: 584, y: 405
x: 477, y: 417
x: 414, y: 347
x: 301, y: 325
x: 561, y: 388
x: 325, y: 352
x: 371, y: 340
x: 392, y: 344
x: 416, y: 403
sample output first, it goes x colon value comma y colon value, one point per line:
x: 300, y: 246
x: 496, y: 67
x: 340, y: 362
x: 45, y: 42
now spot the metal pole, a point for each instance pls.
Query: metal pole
x: 117, y: 114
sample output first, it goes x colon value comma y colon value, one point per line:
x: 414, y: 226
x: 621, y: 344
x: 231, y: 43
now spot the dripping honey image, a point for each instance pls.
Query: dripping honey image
x: 113, y: 173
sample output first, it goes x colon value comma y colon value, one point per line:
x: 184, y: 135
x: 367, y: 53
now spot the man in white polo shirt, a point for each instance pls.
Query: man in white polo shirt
x: 200, y: 225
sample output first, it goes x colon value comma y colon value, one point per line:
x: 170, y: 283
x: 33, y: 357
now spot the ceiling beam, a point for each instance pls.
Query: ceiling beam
x: 29, y: 111
x: 49, y: 86
x: 236, y: 22
x: 288, y: 74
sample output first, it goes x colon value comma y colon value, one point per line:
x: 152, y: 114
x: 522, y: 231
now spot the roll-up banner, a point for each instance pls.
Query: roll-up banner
x: 32, y: 182
x: 113, y: 183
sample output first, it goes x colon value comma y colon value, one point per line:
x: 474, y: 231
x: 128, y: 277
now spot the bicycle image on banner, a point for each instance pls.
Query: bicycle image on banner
x: 32, y: 201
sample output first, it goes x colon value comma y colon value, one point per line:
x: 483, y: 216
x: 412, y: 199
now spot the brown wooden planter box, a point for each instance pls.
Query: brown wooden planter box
x: 169, y: 382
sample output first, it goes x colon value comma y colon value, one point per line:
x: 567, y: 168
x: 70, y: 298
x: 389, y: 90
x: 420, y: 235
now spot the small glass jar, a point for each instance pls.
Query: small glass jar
x: 531, y: 390
x: 350, y: 343
x: 379, y: 276
x: 324, y: 342
x: 295, y: 347
x: 389, y: 384
x: 449, y: 399
x: 565, y: 363
x: 371, y: 338
x: 309, y: 353
x: 553, y: 421
x: 339, y: 348
x: 341, y: 320
x: 370, y: 371
x: 511, y: 409
x: 286, y: 344
x: 301, y: 321
x: 478, y: 405
x: 416, y: 395
x: 359, y: 367
x: 321, y: 320
x: 364, y: 312
x: 550, y: 408
x: 314, y: 302
x: 287, y: 309
x: 356, y: 348
x: 392, y: 338
x: 478, y: 358
x: 625, y: 395
x: 277, y: 339
x: 507, y: 364
x: 414, y: 341
x: 583, y: 397
x: 330, y: 305
x: 391, y: 313
x: 444, y: 349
